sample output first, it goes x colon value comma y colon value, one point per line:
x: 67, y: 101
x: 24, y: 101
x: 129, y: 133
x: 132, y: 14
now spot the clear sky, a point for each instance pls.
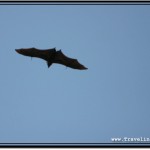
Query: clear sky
x: 59, y: 104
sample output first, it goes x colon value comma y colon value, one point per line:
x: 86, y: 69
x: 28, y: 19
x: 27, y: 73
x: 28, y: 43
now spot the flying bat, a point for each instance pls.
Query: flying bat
x: 51, y: 56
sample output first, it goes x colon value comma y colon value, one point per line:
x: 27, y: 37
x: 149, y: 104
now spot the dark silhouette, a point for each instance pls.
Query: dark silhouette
x: 52, y: 56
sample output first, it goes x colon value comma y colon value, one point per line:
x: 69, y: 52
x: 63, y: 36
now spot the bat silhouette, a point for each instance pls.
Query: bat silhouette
x: 52, y: 56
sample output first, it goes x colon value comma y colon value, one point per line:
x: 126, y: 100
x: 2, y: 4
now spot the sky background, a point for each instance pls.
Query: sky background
x: 59, y: 104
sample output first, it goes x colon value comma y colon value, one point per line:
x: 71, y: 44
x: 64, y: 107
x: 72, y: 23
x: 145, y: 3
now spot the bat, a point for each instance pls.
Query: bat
x: 51, y: 56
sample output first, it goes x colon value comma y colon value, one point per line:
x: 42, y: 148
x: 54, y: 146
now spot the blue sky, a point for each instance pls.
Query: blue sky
x: 59, y: 104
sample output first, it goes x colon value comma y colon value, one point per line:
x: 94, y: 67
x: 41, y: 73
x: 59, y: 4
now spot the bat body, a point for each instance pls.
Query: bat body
x: 51, y: 56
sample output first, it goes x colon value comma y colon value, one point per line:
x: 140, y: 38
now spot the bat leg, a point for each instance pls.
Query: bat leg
x: 49, y: 63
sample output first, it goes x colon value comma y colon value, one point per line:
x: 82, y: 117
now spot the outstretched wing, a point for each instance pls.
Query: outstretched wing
x: 60, y: 58
x: 33, y: 52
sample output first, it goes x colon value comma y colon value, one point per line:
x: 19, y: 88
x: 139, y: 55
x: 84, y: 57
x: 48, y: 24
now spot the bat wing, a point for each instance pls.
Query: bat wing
x: 60, y: 58
x: 47, y: 55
